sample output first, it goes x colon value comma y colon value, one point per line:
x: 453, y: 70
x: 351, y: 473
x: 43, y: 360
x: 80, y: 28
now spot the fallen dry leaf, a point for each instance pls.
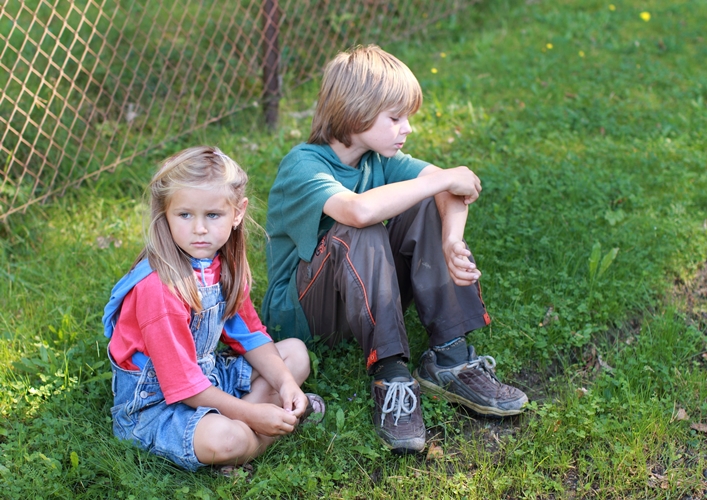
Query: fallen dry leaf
x: 435, y: 452
x: 699, y: 427
x: 681, y: 415
x: 604, y: 364
x: 102, y: 242
x: 549, y: 316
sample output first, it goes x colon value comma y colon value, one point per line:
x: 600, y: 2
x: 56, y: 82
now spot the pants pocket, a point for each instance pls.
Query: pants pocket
x: 123, y: 424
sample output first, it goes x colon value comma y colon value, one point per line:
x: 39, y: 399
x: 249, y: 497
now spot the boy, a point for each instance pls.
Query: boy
x: 336, y: 270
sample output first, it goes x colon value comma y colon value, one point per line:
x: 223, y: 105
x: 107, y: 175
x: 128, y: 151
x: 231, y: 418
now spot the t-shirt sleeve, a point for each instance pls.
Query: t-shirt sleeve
x: 303, y: 186
x: 244, y: 331
x: 402, y: 167
x: 169, y: 343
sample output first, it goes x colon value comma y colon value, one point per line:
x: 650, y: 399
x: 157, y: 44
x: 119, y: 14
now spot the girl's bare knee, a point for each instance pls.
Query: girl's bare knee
x: 220, y: 440
x: 296, y: 357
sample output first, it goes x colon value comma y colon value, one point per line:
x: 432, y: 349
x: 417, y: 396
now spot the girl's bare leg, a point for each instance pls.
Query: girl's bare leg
x: 294, y: 354
x: 220, y: 440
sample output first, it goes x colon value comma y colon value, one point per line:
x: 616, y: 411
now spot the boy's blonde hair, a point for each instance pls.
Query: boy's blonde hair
x: 206, y: 168
x: 357, y: 85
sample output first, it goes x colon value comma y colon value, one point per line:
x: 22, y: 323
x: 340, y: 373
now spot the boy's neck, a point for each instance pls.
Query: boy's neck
x: 348, y: 155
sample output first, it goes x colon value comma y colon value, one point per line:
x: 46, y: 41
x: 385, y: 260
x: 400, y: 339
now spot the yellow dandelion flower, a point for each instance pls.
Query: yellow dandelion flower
x: 434, y: 70
x: 443, y: 54
x: 612, y: 6
x: 581, y: 53
x: 646, y: 16
x: 438, y: 113
x: 549, y: 46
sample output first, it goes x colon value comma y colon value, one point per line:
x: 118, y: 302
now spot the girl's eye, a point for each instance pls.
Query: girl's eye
x: 212, y: 215
x: 184, y: 215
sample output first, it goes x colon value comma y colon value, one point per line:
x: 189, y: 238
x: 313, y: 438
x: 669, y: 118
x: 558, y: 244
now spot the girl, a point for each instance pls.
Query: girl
x: 174, y: 395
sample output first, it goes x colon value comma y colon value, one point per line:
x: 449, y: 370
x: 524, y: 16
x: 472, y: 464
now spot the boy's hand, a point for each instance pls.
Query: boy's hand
x: 461, y: 269
x: 464, y: 183
x: 271, y: 420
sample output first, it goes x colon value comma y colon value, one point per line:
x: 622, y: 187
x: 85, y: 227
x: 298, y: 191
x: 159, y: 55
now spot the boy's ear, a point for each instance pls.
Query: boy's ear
x: 240, y: 213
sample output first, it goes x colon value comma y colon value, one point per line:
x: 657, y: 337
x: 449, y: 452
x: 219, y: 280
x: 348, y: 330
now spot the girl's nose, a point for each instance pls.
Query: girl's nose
x: 200, y: 228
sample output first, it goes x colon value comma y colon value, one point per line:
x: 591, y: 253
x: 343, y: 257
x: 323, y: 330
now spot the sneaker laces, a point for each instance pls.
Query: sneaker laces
x: 399, y: 399
x: 486, y: 364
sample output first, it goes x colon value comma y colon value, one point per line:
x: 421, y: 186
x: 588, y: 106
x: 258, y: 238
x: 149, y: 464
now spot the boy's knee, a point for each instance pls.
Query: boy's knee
x: 373, y: 233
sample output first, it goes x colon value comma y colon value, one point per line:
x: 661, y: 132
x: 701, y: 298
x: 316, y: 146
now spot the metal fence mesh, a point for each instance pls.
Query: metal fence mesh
x: 86, y: 85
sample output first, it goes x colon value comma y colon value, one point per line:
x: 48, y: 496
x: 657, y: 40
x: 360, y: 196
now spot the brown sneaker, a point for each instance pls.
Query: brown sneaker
x: 472, y: 384
x: 397, y: 416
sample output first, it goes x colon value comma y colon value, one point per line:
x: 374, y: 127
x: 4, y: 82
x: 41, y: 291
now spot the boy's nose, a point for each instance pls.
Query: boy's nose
x: 405, y: 128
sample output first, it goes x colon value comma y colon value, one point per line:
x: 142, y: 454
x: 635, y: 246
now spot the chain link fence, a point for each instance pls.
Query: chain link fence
x: 87, y: 85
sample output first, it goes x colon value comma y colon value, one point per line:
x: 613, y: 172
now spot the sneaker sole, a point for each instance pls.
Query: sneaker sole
x: 431, y: 388
x: 404, y: 450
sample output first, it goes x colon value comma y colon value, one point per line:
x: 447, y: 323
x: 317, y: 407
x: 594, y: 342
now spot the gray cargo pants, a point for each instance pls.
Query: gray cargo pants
x: 360, y: 281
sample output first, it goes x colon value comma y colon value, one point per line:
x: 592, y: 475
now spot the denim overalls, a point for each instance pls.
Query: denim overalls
x: 141, y: 414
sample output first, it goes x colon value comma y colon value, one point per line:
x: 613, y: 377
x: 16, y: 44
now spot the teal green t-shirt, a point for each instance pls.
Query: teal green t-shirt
x: 307, y: 177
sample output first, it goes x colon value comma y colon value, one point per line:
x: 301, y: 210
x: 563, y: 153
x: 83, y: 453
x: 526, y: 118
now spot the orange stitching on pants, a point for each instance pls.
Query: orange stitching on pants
x: 372, y: 358
x: 363, y: 287
x: 315, y: 277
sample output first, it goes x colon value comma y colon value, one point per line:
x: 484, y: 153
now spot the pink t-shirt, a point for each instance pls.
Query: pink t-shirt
x: 154, y: 321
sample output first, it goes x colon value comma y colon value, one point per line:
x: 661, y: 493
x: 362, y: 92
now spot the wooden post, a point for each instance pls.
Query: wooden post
x: 271, y: 61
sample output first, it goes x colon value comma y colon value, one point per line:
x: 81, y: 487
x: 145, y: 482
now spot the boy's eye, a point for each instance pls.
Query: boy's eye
x: 184, y: 215
x: 212, y: 215
x: 395, y: 119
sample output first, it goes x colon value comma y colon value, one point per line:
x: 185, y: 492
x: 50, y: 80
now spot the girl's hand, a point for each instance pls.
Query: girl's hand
x: 271, y: 420
x: 293, y: 399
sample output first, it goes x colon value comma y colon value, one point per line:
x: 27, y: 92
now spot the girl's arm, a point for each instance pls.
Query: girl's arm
x: 269, y: 365
x: 382, y: 203
x: 264, y: 418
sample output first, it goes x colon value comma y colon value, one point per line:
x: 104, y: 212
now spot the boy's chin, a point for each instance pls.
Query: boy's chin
x: 388, y: 154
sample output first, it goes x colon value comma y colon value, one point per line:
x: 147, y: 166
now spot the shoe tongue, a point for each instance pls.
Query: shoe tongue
x: 472, y: 353
x: 399, y: 379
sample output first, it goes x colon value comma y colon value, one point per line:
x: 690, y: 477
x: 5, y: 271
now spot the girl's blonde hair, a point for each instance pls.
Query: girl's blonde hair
x: 357, y: 85
x: 199, y: 167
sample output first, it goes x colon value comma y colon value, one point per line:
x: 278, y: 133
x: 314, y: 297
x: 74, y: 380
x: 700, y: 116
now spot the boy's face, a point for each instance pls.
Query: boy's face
x: 387, y: 135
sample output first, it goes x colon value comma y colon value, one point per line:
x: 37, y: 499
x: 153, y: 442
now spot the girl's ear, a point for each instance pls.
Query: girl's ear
x: 240, y: 213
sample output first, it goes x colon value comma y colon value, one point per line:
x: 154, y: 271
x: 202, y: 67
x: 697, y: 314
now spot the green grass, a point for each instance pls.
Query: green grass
x: 578, y: 156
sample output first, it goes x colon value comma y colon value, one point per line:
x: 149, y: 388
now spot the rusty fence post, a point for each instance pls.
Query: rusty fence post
x: 271, y: 61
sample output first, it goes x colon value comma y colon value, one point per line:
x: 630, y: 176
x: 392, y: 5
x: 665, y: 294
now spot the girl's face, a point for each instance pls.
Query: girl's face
x: 201, y: 220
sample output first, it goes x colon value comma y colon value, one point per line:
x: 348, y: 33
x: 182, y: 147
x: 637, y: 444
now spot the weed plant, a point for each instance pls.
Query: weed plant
x: 586, y: 123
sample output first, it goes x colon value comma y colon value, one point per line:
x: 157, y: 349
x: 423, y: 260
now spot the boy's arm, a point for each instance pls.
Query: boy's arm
x: 382, y: 203
x: 453, y: 211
